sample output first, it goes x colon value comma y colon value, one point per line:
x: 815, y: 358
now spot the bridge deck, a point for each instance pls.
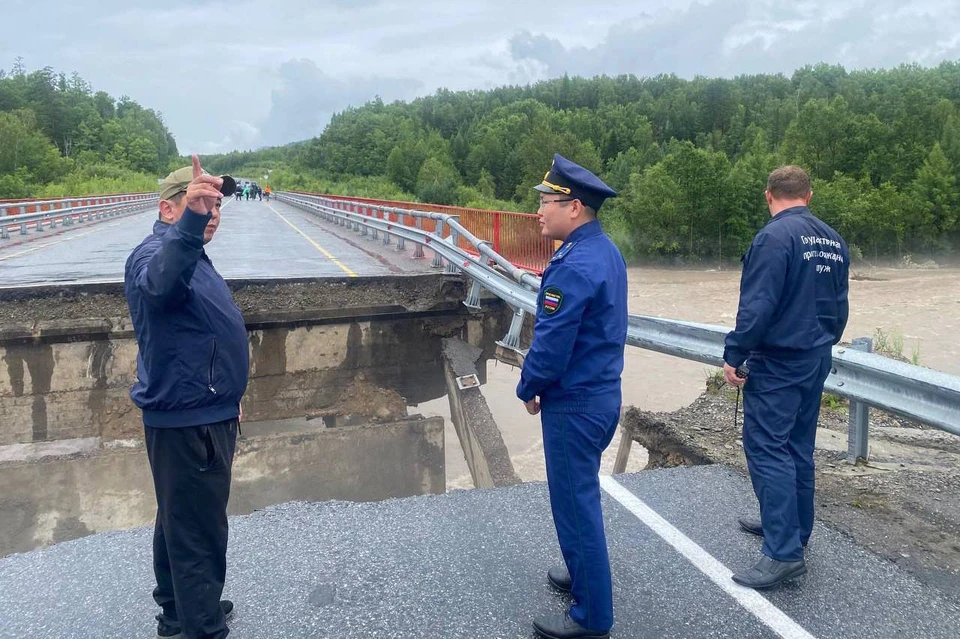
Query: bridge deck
x: 255, y: 239
x: 472, y: 564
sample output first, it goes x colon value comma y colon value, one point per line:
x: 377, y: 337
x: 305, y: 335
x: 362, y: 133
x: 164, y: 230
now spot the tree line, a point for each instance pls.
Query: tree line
x: 59, y: 137
x: 689, y: 157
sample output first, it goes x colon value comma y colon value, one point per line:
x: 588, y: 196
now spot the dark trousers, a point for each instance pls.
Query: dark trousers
x: 781, y: 405
x: 191, y: 474
x: 572, y: 445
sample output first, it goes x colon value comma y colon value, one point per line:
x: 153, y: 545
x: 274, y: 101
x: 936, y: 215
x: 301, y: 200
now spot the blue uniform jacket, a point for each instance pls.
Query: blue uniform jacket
x: 576, y: 358
x: 193, y: 359
x: 793, y: 290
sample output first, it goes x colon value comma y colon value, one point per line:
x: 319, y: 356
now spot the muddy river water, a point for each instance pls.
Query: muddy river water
x: 921, y: 308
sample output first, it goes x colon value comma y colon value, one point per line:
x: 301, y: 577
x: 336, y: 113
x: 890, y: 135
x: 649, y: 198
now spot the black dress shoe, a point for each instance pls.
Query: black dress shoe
x: 754, y: 527
x: 563, y: 627
x: 770, y: 572
x: 167, y: 629
x: 559, y: 578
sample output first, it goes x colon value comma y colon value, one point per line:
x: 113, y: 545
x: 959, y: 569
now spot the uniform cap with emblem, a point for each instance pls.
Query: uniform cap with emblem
x: 569, y: 178
x: 178, y: 181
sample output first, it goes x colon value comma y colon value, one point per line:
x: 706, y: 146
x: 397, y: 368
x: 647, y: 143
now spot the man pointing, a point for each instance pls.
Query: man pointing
x: 191, y: 373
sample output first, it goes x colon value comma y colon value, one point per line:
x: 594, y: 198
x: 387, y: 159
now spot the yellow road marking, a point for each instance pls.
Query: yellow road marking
x: 60, y: 241
x: 315, y: 245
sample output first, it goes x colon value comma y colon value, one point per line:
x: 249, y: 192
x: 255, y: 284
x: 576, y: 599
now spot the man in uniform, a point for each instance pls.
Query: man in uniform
x: 793, y: 309
x: 191, y: 373
x: 573, y: 367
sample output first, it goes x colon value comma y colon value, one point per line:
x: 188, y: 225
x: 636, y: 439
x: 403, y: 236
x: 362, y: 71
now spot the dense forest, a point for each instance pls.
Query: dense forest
x: 690, y: 158
x: 58, y: 137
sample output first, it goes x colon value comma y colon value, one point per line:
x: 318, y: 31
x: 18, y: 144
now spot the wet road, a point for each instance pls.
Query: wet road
x: 255, y: 240
x: 472, y: 564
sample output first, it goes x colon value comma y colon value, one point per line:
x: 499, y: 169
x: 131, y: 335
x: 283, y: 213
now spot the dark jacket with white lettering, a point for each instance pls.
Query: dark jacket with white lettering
x: 193, y: 359
x: 793, y: 290
x: 576, y: 358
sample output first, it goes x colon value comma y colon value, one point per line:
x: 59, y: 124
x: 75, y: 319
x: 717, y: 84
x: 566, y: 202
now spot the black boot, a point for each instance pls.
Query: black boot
x: 563, y: 627
x: 559, y: 578
x: 770, y: 572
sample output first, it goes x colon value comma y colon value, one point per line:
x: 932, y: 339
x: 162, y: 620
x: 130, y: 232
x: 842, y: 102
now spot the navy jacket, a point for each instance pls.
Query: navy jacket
x: 576, y: 358
x: 193, y: 359
x: 793, y: 290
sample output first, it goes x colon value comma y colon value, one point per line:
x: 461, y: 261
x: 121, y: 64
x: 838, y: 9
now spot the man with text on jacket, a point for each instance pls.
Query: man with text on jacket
x: 793, y: 309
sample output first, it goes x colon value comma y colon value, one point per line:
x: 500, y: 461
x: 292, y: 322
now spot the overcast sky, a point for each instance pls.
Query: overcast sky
x: 240, y: 75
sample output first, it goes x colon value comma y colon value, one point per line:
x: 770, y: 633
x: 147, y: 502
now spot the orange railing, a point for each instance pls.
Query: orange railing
x: 516, y: 236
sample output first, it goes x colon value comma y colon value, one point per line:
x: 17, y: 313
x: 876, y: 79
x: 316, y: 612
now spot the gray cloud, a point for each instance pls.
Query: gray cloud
x: 243, y: 74
x: 306, y: 97
x: 731, y: 37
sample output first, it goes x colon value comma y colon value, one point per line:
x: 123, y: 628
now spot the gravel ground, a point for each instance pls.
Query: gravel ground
x: 903, y: 505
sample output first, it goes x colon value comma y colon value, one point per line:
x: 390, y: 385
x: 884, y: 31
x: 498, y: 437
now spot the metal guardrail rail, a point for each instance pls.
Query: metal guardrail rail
x: 924, y: 395
x: 66, y: 214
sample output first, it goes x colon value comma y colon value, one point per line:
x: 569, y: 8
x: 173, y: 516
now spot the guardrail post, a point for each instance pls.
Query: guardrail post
x: 512, y: 338
x: 418, y: 250
x: 455, y: 241
x: 858, y: 434
x: 473, y: 296
x: 374, y: 213
x: 437, y: 258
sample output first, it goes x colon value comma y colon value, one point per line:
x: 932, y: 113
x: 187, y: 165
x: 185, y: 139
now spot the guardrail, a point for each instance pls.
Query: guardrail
x: 921, y: 394
x: 67, y: 212
x: 516, y: 236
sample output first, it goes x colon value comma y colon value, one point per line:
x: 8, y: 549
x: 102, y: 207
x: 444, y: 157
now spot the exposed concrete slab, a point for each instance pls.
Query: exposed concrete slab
x: 68, y: 355
x: 486, y: 454
x: 61, y: 498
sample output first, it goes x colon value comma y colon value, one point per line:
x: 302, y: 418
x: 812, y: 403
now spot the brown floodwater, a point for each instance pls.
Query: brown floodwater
x: 921, y: 308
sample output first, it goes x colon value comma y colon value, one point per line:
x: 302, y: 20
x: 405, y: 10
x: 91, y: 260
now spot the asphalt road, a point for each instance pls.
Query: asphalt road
x: 472, y: 564
x: 255, y: 240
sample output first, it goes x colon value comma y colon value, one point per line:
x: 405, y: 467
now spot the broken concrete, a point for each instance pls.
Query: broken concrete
x: 69, y: 353
x: 486, y: 454
x: 59, y: 498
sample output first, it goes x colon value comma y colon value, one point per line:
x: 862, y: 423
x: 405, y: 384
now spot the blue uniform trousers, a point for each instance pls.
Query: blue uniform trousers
x: 781, y: 405
x: 572, y: 445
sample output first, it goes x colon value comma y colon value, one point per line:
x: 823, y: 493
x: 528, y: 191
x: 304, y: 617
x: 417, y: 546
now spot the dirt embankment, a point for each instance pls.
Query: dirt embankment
x: 904, y: 504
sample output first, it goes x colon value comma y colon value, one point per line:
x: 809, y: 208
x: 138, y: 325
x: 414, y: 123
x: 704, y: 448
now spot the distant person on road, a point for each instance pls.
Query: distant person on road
x: 246, y: 192
x: 191, y: 373
x: 571, y: 376
x: 266, y: 192
x: 793, y: 309
x: 259, y: 194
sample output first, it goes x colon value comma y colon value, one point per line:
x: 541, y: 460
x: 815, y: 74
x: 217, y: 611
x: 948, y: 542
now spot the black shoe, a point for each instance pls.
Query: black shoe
x: 167, y: 629
x: 563, y: 627
x: 770, y: 572
x: 754, y: 527
x: 559, y: 578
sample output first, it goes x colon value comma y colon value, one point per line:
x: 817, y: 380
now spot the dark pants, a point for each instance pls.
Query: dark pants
x: 781, y: 405
x: 191, y: 475
x: 572, y: 445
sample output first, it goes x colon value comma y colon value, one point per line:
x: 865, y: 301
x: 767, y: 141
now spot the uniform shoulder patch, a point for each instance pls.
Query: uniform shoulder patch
x: 552, y: 299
